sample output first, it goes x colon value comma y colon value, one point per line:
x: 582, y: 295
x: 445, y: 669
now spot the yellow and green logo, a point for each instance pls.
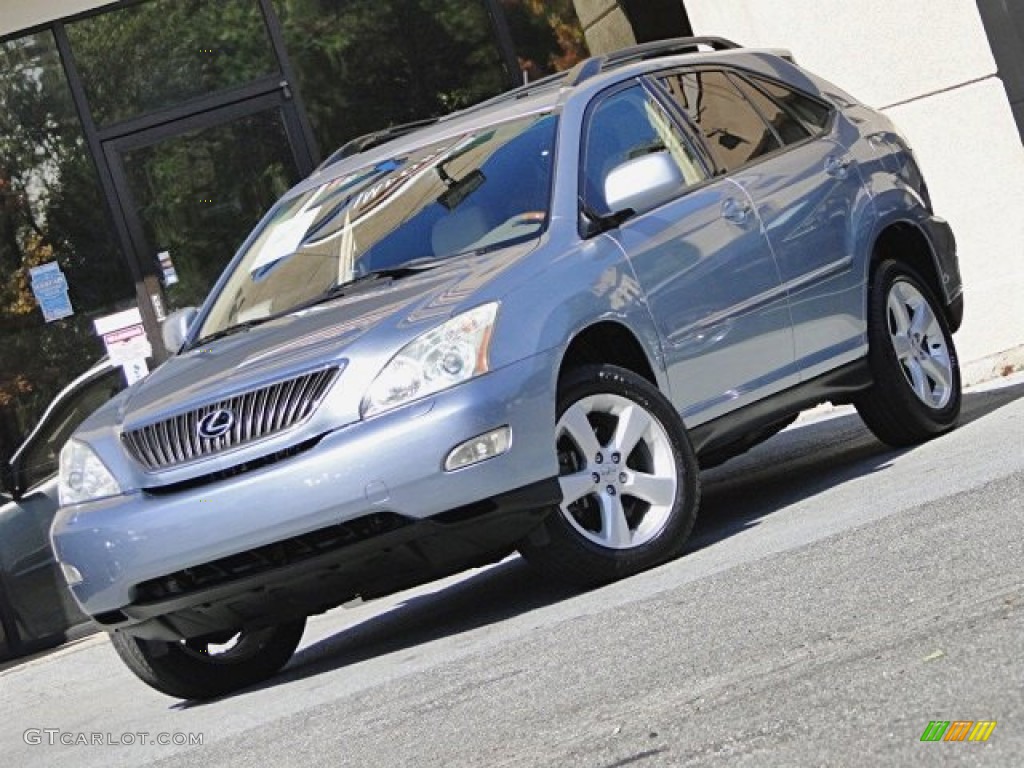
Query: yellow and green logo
x: 958, y: 730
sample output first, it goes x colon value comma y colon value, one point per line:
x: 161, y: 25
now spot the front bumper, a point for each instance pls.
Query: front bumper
x: 388, y: 467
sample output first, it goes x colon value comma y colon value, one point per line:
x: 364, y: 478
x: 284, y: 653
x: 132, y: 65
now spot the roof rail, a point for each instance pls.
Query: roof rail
x: 519, y: 92
x: 374, y: 139
x: 669, y: 47
x: 585, y: 70
x: 588, y: 68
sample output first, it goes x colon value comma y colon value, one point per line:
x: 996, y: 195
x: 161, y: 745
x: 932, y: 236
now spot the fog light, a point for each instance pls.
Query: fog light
x: 71, y: 574
x: 480, y: 448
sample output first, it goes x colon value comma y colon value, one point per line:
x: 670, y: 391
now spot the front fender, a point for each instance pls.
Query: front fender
x: 589, y: 283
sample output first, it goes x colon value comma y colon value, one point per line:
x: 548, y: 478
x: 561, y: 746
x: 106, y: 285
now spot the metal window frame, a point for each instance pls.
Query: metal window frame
x: 178, y: 119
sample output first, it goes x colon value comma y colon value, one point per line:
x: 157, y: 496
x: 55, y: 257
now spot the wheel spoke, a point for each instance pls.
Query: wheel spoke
x: 633, y: 424
x: 923, y: 322
x: 937, y: 371
x: 576, y: 486
x: 898, y: 311
x: 656, y: 491
x: 920, y: 381
x: 574, y: 421
x: 902, y: 346
x: 614, y: 526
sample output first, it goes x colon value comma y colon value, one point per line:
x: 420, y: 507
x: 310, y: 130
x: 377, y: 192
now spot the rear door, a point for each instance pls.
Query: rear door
x: 774, y: 141
x: 700, y: 257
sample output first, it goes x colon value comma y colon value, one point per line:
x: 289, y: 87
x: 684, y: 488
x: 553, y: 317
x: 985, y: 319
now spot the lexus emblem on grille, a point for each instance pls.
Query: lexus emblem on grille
x: 216, y: 424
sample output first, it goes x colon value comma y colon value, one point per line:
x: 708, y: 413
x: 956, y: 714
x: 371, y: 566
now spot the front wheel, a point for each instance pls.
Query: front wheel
x: 916, y: 393
x: 209, y: 667
x: 629, y: 480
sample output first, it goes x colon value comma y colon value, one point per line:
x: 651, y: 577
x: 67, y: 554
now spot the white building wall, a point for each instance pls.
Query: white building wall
x: 928, y: 64
x: 16, y: 15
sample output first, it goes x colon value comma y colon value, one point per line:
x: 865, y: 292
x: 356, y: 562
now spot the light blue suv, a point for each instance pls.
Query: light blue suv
x: 525, y: 327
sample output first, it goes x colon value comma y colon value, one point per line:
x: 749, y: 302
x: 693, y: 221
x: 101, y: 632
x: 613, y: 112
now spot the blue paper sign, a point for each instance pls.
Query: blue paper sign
x: 50, y: 288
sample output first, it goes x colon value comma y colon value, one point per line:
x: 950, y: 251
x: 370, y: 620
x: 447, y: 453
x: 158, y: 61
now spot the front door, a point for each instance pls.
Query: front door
x: 191, y: 190
x: 700, y: 256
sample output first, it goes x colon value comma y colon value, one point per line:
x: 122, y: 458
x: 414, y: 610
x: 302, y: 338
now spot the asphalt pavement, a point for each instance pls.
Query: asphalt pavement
x: 837, y: 597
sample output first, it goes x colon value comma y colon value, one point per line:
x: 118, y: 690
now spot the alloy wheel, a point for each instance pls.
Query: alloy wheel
x: 617, y: 471
x: 919, y: 344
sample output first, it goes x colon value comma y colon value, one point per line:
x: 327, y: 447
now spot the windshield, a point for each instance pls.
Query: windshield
x: 479, y: 190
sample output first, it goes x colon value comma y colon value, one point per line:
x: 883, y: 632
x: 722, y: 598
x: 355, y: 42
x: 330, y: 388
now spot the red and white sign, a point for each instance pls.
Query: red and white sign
x: 127, y: 344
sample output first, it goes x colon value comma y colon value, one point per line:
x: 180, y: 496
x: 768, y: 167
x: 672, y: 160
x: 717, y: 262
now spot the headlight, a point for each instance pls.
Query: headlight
x: 443, y: 357
x: 83, y: 476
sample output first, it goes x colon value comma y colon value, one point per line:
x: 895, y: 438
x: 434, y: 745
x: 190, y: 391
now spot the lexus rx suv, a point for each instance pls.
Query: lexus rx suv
x: 525, y: 326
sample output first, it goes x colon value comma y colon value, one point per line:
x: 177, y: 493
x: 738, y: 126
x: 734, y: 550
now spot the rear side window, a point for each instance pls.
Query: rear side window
x: 812, y: 113
x: 734, y: 131
x: 786, y: 126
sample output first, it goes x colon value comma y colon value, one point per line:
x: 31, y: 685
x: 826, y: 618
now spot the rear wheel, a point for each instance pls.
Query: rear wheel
x: 628, y: 477
x: 209, y: 667
x: 916, y: 394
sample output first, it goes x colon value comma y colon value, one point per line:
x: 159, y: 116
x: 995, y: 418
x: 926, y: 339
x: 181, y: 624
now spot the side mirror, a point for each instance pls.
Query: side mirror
x: 643, y: 182
x: 175, y: 328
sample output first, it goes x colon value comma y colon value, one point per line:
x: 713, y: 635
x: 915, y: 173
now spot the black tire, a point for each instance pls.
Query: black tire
x: 916, y: 393
x: 571, y: 543
x: 189, y: 670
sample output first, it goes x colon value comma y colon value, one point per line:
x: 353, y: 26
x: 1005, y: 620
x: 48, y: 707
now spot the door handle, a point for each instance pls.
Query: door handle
x: 838, y: 166
x: 735, y: 210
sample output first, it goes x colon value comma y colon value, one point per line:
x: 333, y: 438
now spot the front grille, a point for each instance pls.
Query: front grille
x: 257, y: 414
x: 267, y: 558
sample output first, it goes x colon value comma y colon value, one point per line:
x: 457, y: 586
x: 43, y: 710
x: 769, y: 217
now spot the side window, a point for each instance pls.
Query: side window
x: 812, y: 113
x: 734, y: 131
x: 39, y: 461
x: 628, y: 126
x: 786, y: 126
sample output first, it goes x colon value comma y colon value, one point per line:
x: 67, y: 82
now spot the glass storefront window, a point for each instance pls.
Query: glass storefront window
x: 51, y: 212
x: 546, y: 34
x: 198, y: 195
x: 160, y: 53
x: 363, y: 65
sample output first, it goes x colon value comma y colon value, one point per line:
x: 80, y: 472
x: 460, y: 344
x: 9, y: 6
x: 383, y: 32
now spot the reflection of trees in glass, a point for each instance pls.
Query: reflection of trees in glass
x: 50, y: 209
x: 167, y: 51
x: 546, y: 33
x: 365, y: 64
x: 201, y: 193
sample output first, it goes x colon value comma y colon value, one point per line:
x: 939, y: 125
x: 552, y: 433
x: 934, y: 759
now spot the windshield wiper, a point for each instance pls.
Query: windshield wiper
x: 231, y: 330
x: 371, y: 277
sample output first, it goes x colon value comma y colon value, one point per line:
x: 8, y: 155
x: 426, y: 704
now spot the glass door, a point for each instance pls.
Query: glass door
x: 191, y: 190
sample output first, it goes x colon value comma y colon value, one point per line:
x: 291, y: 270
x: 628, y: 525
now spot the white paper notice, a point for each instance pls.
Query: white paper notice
x: 284, y: 240
x: 135, y: 370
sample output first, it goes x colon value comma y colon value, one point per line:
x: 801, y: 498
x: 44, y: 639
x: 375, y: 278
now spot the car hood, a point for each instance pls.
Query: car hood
x: 358, y: 332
